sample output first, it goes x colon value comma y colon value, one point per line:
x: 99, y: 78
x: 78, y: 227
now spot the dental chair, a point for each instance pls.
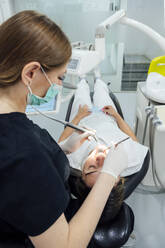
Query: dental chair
x: 116, y: 233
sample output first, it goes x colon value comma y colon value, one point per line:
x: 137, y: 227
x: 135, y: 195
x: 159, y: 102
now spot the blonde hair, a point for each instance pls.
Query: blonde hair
x: 30, y: 36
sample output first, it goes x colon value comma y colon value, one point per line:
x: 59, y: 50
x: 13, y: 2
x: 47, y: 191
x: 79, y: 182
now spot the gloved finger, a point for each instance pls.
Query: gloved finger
x: 88, y: 128
x: 78, y: 132
x: 112, y: 146
x: 86, y: 134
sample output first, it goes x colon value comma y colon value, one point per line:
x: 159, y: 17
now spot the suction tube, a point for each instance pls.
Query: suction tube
x: 154, y: 123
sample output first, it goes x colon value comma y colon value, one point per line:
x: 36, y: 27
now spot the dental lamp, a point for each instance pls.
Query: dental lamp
x: 84, y: 61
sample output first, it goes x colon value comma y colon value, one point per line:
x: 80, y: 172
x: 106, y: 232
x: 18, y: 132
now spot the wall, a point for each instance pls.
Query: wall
x: 79, y: 18
x: 6, y: 10
x: 150, y: 12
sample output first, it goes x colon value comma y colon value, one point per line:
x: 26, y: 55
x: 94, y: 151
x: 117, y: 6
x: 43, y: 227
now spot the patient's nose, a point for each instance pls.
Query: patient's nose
x: 100, y: 160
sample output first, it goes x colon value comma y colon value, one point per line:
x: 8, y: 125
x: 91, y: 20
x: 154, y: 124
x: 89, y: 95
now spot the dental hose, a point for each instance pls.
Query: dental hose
x: 148, y: 110
x: 66, y: 123
x: 153, y: 123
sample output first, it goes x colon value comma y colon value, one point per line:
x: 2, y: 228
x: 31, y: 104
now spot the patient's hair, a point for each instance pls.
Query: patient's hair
x: 114, y: 202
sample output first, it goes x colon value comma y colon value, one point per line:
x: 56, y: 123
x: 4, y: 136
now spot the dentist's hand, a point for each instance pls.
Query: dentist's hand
x: 116, y: 161
x: 73, y: 142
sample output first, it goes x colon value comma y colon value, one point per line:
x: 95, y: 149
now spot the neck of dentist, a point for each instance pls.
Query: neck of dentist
x: 13, y: 99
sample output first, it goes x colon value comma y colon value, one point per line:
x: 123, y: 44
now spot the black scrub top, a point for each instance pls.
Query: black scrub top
x: 33, y: 178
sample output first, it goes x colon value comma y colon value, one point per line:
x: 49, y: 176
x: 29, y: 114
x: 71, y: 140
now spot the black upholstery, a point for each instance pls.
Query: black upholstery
x: 116, y: 233
x: 109, y: 235
x: 132, y: 181
x: 116, y: 102
x: 13, y: 242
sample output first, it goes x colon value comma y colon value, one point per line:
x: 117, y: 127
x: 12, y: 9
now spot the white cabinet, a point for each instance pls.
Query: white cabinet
x: 143, y: 134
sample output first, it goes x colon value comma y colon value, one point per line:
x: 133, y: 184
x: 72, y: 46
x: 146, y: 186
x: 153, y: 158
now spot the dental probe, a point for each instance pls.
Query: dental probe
x: 116, y: 144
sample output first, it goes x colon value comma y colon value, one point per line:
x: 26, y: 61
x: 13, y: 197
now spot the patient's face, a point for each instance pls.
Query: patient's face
x: 93, y: 165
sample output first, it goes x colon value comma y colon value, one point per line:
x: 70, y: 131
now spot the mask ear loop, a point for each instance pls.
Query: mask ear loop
x: 46, y: 76
x: 59, y: 95
x: 29, y: 89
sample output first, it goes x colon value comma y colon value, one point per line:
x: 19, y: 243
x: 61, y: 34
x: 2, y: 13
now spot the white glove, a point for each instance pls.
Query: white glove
x: 116, y: 161
x: 73, y: 142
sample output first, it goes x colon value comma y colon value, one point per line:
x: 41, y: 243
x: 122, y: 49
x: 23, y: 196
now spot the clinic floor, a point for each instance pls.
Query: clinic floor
x: 148, y: 209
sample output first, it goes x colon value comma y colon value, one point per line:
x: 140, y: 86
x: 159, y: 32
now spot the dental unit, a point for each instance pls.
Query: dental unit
x: 87, y: 58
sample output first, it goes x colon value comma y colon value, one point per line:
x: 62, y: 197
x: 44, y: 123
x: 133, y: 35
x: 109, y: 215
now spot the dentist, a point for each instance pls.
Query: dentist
x: 34, y: 53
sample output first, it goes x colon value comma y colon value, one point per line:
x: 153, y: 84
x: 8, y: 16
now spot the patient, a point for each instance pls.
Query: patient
x: 102, y: 116
x: 87, y: 161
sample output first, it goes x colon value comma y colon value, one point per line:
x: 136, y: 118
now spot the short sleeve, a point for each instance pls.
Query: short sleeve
x: 33, y: 193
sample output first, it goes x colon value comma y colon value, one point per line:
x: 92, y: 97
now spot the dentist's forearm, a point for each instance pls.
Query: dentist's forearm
x: 84, y: 222
x: 68, y: 130
x: 78, y: 232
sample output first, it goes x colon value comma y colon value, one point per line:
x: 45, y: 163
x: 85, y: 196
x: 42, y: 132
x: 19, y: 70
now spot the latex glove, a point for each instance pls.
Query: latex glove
x: 116, y: 161
x: 73, y: 142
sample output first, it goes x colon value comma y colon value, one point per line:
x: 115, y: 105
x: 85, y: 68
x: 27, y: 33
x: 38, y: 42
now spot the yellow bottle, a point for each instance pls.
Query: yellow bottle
x: 158, y: 65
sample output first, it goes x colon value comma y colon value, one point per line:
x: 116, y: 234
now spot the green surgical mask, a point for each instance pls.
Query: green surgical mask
x: 53, y: 90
